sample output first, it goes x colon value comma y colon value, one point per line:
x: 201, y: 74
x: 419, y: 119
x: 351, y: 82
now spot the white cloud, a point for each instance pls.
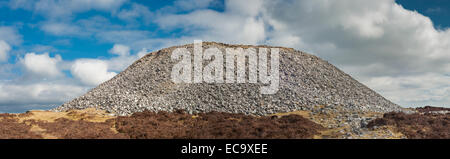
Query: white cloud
x: 397, y: 52
x: 240, y: 8
x: 6, y: 71
x: 142, y: 53
x: 42, y: 64
x: 423, y: 89
x: 214, y: 26
x: 65, y: 8
x: 121, y: 50
x: 135, y: 12
x: 372, y: 40
x: 43, y: 93
x: 91, y: 72
x: 25, y: 4
x: 10, y: 35
x: 122, y: 36
x: 4, y: 50
x: 43, y: 48
x: 81, y: 28
x: 121, y: 62
x: 43, y: 85
x: 124, y: 58
x: 58, y: 28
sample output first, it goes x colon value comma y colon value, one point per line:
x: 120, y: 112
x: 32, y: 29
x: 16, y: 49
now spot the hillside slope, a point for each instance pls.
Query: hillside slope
x: 305, y: 81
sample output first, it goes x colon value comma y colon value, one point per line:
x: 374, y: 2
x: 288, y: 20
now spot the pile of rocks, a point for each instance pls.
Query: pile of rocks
x: 305, y: 81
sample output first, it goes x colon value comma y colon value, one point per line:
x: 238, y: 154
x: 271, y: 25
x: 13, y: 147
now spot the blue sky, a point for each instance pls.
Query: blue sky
x: 52, y: 48
x: 437, y: 10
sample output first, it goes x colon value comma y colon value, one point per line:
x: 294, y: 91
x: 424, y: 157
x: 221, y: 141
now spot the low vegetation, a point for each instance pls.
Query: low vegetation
x: 417, y: 125
x: 427, y: 123
x: 150, y: 125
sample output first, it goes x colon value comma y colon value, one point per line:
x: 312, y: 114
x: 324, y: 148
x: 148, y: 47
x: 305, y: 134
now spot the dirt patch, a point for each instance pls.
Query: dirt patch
x: 78, y: 129
x: 418, y: 125
x: 89, y: 114
x: 215, y: 125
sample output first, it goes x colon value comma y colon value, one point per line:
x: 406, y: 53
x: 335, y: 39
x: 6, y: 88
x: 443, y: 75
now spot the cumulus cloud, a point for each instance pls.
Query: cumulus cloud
x: 4, y: 50
x: 121, y: 50
x: 371, y: 40
x: 41, y: 85
x: 374, y: 40
x: 91, y: 72
x: 124, y: 58
x: 212, y: 25
x: 53, y: 88
x: 44, y: 85
x: 43, y: 93
x: 393, y: 50
x: 121, y: 62
x: 374, y: 33
x: 422, y: 89
x: 237, y: 7
x: 42, y: 64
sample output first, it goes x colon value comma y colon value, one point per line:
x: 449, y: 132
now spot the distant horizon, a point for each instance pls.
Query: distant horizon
x: 52, y: 51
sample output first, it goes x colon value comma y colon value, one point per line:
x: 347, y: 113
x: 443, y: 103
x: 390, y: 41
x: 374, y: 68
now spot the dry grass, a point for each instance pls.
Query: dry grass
x: 94, y: 124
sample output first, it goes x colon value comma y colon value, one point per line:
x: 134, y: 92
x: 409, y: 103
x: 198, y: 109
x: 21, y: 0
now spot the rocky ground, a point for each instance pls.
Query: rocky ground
x: 305, y: 81
x: 321, y: 124
x: 314, y: 100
